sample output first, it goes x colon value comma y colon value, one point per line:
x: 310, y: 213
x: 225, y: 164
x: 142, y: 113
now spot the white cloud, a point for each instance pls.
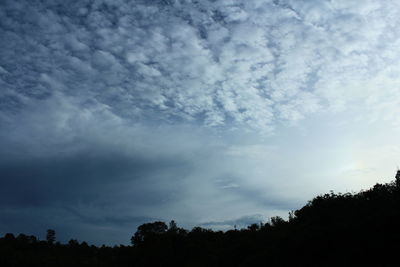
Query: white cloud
x: 217, y: 63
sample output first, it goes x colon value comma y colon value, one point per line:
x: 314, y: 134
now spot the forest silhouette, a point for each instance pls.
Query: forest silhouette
x: 334, y: 229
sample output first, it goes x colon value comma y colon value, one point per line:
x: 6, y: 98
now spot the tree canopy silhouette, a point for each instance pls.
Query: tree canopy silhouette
x: 332, y: 229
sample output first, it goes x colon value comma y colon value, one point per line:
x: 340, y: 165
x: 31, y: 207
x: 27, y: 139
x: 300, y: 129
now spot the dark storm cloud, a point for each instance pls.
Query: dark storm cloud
x: 76, y: 177
x: 93, y: 189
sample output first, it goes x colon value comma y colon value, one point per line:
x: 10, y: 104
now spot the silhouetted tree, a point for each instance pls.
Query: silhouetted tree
x: 51, y: 236
x: 148, y: 230
x: 277, y: 221
x: 253, y: 227
x: 172, y: 227
x: 334, y: 229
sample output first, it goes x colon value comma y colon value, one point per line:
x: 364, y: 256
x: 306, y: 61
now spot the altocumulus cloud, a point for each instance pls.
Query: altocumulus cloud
x: 113, y: 113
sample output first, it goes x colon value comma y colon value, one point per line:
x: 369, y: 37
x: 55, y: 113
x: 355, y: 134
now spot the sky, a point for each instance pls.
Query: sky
x: 211, y: 113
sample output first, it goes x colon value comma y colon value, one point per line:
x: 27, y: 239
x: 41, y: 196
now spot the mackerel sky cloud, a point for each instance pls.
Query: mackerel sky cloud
x: 115, y: 112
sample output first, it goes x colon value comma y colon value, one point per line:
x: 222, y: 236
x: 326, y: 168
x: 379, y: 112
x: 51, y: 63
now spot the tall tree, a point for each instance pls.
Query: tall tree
x: 148, y: 230
x: 51, y: 236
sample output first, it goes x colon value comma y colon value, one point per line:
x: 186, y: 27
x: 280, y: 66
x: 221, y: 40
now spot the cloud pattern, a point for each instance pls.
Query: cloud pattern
x: 217, y: 63
x: 114, y: 113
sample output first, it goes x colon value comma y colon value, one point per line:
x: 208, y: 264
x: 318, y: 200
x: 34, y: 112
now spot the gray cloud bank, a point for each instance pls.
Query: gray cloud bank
x: 113, y: 113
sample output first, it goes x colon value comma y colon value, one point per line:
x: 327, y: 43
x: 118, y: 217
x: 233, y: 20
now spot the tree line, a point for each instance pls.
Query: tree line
x: 333, y: 229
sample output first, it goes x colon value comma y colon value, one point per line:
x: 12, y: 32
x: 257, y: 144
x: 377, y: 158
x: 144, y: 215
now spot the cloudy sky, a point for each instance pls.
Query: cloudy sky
x: 214, y: 113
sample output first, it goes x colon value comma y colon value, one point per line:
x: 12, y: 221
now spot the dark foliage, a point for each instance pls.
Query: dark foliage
x: 331, y: 230
x: 51, y: 236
